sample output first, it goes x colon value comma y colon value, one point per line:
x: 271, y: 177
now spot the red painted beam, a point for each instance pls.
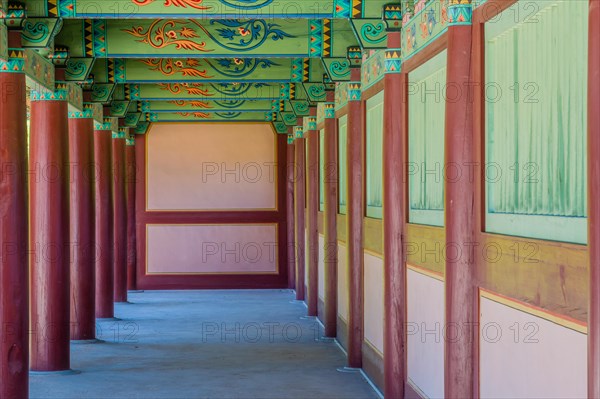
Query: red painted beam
x: 131, y: 174
x: 83, y: 274
x: 299, y: 206
x: 312, y: 227
x: 461, y: 215
x: 394, y: 219
x: 593, y: 203
x: 291, y: 240
x: 14, y: 285
x: 119, y: 220
x: 356, y: 155
x: 104, y: 223
x: 330, y: 216
x: 49, y: 236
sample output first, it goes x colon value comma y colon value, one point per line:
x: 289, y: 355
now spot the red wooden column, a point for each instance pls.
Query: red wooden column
x: 460, y: 211
x: 330, y: 215
x: 49, y: 235
x: 14, y: 285
x: 291, y: 155
x: 299, y: 202
x: 119, y: 215
x: 593, y: 203
x: 356, y: 155
x: 83, y: 273
x: 104, y: 220
x: 312, y: 208
x: 394, y: 209
x: 131, y: 176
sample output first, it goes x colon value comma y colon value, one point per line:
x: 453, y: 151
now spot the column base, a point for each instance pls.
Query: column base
x: 59, y: 372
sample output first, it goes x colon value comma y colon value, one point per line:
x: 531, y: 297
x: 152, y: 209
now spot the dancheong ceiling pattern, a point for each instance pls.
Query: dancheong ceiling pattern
x: 194, y: 60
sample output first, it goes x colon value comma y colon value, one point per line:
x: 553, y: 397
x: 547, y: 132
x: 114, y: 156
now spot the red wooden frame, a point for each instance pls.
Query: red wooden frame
x: 211, y: 281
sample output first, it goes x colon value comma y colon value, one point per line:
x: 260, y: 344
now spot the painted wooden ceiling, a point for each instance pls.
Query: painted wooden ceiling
x: 200, y: 60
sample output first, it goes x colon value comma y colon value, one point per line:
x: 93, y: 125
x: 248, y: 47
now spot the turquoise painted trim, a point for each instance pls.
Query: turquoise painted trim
x: 58, y: 95
x: 85, y: 114
x: 13, y: 65
x: 460, y: 14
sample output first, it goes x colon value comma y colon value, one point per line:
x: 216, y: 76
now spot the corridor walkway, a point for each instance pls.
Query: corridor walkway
x: 206, y: 344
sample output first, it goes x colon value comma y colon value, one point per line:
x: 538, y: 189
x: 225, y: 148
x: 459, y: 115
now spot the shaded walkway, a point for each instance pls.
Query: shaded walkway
x: 194, y: 344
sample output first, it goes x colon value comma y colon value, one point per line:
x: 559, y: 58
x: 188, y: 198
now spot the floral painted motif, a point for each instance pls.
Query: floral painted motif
x: 195, y: 104
x: 240, y: 67
x: 233, y: 34
x: 202, y: 115
x: 169, y: 67
x: 411, y: 39
x: 168, y: 33
x: 197, y: 89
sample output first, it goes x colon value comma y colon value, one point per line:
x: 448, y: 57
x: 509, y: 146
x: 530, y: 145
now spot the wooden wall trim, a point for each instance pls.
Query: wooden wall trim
x: 341, y: 112
x: 434, y: 48
x: 341, y: 228
x: 373, y: 236
x: 320, y: 222
x: 373, y: 90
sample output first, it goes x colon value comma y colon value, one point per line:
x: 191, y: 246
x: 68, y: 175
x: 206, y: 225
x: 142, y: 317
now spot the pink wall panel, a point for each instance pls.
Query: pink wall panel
x: 212, y: 225
x: 192, y: 249
x: 343, y: 306
x: 211, y: 167
x: 373, y: 293
x: 524, y: 355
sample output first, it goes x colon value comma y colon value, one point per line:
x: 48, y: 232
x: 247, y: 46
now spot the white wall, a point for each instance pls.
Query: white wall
x: 322, y: 267
x: 342, y: 287
x: 425, y: 341
x: 523, y: 355
x: 373, y: 306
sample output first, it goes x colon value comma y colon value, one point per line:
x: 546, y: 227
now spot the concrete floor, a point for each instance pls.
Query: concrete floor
x: 206, y: 344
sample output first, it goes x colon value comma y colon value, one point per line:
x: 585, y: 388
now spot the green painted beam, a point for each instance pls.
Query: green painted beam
x: 163, y: 70
x: 196, y: 38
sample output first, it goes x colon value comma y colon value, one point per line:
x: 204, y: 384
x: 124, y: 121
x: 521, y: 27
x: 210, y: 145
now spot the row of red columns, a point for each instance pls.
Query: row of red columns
x: 461, y: 220
x: 63, y: 211
x: 460, y: 294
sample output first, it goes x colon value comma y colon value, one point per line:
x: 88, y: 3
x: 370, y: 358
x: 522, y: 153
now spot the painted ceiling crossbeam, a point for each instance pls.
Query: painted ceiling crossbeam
x: 215, y: 38
x: 207, y: 106
x: 204, y: 91
x: 181, y: 70
x: 210, y: 116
